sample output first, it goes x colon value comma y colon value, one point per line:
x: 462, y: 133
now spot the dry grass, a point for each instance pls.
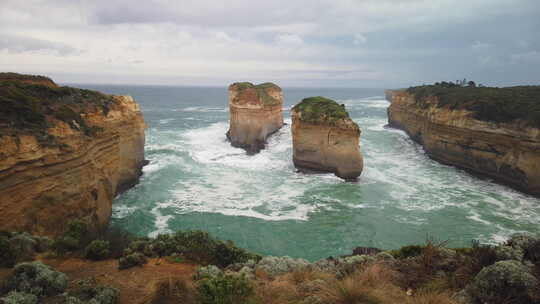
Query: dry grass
x: 301, y: 276
x: 376, y: 284
x: 433, y: 298
x: 291, y: 287
x: 172, y: 290
x: 367, y: 286
x: 278, y: 291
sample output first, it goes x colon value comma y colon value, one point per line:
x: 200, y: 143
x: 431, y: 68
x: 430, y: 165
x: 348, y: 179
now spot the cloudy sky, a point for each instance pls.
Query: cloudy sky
x: 344, y: 43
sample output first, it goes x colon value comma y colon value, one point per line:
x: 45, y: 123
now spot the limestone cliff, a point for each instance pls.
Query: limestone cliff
x: 508, y: 152
x: 325, y: 138
x: 64, y: 154
x: 256, y: 113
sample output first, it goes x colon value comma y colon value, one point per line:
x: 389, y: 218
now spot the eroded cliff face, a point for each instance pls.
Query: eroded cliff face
x: 255, y: 113
x: 507, y: 152
x: 70, y: 169
x: 328, y: 145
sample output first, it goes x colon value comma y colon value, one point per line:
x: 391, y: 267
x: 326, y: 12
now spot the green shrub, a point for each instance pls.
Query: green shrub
x: 504, y: 282
x: 175, y: 258
x: 74, y: 238
x: 407, y: 251
x: 16, y: 297
x: 227, y: 253
x: 8, y: 254
x: 97, y: 250
x: 17, y: 247
x: 131, y: 260
x: 25, y: 246
x: 197, y: 246
x: 87, y: 291
x: 528, y: 244
x: 224, y: 289
x: 36, y: 278
x: 6, y: 234
x: 77, y: 229
x: 118, y: 240
x: 65, y: 244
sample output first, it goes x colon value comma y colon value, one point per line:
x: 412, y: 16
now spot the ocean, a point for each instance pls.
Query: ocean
x: 196, y: 180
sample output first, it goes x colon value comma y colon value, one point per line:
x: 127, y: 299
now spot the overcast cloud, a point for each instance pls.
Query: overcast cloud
x: 348, y: 43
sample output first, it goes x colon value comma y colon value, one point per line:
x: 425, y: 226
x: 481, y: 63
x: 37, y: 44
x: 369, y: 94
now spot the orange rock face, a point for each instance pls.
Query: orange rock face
x: 255, y: 113
x: 329, y: 147
x: 507, y: 152
x: 43, y: 186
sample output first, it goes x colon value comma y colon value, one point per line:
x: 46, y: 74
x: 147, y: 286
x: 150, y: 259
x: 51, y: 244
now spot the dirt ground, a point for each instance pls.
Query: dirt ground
x: 135, y: 284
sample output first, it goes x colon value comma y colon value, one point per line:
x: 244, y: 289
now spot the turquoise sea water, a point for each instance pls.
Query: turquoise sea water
x: 196, y: 180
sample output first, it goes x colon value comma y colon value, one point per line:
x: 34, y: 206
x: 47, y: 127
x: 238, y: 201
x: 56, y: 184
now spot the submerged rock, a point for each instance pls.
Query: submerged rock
x: 256, y: 113
x: 325, y: 138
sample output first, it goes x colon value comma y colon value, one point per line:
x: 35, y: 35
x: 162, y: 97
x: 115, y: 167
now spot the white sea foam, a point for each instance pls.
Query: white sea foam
x: 165, y: 121
x: 121, y: 210
x: 204, y: 109
x: 161, y: 221
x: 210, y: 146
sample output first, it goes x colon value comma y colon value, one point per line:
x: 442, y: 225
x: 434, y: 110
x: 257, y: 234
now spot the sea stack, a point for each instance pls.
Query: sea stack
x: 325, y: 138
x: 64, y: 154
x: 256, y: 113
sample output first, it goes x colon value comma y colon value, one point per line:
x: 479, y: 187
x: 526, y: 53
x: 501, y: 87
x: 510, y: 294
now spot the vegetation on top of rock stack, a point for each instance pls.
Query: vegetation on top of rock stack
x: 261, y: 91
x: 27, y: 108
x: 494, y: 104
x: 321, y: 110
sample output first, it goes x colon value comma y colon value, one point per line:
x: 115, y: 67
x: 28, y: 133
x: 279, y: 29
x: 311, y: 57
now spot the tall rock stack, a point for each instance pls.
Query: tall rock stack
x: 64, y: 154
x: 256, y: 113
x: 325, y: 138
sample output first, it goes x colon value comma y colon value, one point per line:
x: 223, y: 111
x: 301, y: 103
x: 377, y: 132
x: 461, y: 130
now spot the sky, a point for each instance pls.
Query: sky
x: 302, y: 43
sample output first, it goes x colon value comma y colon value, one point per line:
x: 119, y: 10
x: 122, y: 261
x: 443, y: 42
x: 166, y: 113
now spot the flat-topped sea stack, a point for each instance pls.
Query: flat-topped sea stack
x: 256, y: 113
x: 64, y: 154
x: 325, y: 138
x: 493, y: 132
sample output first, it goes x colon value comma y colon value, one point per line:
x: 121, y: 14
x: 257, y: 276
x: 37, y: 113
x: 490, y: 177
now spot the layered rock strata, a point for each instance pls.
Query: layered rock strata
x: 255, y: 113
x: 507, y: 152
x: 325, y: 138
x: 64, y: 154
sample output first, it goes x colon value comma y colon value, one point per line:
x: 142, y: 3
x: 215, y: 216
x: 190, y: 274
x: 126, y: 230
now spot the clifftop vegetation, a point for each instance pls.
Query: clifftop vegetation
x: 27, y: 78
x: 493, y: 104
x: 321, y: 110
x: 193, y: 267
x: 261, y: 91
x: 28, y: 108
